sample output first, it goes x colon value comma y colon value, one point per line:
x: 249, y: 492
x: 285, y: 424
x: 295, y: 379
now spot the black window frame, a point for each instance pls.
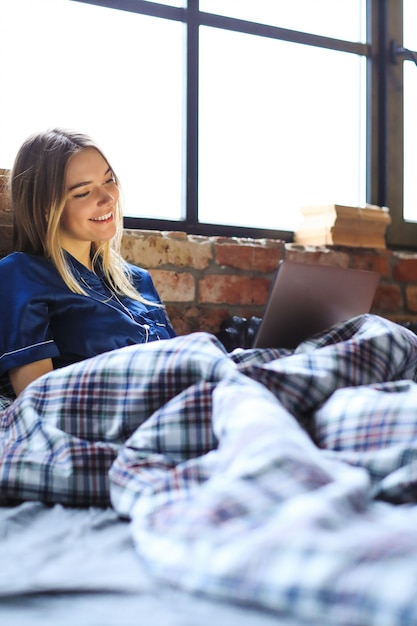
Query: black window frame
x: 384, y: 109
x: 387, y: 168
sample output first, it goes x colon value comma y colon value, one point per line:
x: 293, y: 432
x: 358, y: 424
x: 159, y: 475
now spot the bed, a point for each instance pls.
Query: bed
x: 184, y: 484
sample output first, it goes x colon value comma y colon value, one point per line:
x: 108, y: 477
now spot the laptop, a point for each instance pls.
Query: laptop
x: 306, y: 299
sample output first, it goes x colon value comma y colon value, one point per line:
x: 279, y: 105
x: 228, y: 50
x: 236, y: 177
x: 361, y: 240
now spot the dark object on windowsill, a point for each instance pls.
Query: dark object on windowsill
x: 238, y: 332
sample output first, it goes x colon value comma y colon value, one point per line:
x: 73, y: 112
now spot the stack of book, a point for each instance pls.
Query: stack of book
x: 340, y: 225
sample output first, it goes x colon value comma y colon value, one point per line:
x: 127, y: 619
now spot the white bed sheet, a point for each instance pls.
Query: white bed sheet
x: 78, y: 567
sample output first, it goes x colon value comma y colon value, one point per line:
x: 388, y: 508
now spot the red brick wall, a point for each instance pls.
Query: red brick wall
x: 203, y: 280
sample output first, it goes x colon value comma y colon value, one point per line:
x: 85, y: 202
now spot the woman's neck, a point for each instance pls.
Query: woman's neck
x: 83, y: 255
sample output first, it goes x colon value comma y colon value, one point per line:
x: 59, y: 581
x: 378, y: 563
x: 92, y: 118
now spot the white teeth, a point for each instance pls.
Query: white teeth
x: 102, y: 218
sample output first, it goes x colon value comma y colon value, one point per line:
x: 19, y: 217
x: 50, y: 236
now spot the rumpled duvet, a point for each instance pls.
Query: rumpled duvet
x: 286, y: 480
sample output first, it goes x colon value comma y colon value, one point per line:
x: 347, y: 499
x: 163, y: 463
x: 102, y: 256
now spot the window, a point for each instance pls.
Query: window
x: 224, y: 116
x: 344, y: 19
x: 410, y: 116
x: 397, y: 122
x: 281, y: 126
x: 105, y: 73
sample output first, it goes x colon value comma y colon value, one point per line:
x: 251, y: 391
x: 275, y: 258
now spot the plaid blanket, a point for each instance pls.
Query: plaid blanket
x: 286, y: 480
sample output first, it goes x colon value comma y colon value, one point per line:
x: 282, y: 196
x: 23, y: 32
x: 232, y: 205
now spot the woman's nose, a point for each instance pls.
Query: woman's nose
x: 105, y: 197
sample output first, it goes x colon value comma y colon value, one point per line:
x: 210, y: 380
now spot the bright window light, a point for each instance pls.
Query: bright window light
x: 281, y: 127
x: 114, y: 75
x: 280, y: 124
x: 410, y: 120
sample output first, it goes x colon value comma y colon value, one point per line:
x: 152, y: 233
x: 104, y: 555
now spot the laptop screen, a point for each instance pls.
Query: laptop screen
x: 306, y: 299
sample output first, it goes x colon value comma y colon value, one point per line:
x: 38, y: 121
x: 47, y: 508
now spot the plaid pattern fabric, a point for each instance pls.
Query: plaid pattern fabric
x: 263, y: 476
x: 59, y: 438
x: 7, y: 395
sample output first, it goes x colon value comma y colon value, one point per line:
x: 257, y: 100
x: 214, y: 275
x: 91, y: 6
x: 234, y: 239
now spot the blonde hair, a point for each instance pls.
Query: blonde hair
x: 38, y: 195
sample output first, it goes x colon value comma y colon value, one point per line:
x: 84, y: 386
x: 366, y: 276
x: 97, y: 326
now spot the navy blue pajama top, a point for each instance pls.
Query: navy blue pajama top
x: 40, y: 317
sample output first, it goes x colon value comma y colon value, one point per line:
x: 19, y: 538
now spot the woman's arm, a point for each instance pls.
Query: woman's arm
x: 20, y: 377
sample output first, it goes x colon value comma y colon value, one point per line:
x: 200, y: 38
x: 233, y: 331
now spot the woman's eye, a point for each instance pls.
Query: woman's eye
x: 110, y: 180
x: 81, y: 195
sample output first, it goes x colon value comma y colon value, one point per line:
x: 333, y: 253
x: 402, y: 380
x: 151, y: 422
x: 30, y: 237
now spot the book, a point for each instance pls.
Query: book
x: 335, y: 224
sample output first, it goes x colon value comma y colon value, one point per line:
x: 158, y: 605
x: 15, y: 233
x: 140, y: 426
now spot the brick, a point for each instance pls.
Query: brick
x: 176, y: 234
x: 232, y: 289
x: 184, y: 318
x: 375, y: 262
x: 411, y: 298
x: 196, y: 318
x: 174, y: 286
x: 266, y: 259
x: 153, y: 249
x: 249, y: 255
x: 405, y: 270
x: 388, y: 298
x: 313, y: 254
x: 212, y: 317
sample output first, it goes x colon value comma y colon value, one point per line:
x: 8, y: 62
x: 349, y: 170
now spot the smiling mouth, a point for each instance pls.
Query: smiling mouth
x: 102, y: 218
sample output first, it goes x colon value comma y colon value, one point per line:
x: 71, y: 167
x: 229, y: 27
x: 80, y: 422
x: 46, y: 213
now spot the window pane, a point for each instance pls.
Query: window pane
x: 344, y: 19
x: 119, y: 79
x: 281, y: 126
x: 409, y: 18
x: 410, y: 104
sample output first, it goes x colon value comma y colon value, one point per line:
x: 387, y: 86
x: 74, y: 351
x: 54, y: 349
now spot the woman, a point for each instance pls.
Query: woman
x: 66, y: 294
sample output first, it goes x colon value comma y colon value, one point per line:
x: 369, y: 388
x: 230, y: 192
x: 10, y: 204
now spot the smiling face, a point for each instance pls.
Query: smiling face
x: 91, y: 199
